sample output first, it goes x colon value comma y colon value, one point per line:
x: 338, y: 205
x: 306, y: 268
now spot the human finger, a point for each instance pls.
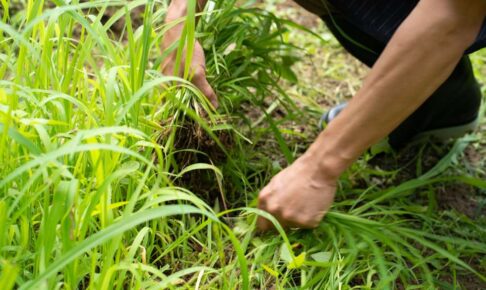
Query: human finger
x: 203, y: 85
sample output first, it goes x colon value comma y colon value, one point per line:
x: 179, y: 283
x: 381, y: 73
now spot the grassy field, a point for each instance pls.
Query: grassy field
x: 114, y: 176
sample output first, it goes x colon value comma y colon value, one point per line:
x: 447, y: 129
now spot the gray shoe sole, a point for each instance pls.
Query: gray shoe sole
x: 442, y: 134
x: 445, y: 134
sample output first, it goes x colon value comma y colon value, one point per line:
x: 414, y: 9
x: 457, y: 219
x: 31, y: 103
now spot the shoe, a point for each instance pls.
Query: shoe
x: 331, y: 115
x: 440, y: 134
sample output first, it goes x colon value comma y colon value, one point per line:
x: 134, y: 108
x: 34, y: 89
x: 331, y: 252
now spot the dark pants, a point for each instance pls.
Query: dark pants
x: 455, y: 102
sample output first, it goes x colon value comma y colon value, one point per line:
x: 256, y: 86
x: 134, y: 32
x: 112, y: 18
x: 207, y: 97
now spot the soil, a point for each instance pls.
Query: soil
x: 462, y: 198
x: 465, y: 280
x: 194, y: 145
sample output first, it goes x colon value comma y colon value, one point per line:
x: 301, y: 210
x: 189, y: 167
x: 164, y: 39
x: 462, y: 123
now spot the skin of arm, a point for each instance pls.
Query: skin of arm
x: 418, y: 59
x: 178, y: 9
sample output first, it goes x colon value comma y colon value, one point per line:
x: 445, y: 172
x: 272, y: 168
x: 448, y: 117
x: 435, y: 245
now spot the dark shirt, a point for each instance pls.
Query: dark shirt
x: 377, y: 18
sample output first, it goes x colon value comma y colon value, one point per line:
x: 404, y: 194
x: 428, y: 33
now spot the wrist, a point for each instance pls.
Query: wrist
x: 328, y: 158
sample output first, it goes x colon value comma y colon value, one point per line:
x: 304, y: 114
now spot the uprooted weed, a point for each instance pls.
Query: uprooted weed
x: 194, y: 145
x: 246, y: 56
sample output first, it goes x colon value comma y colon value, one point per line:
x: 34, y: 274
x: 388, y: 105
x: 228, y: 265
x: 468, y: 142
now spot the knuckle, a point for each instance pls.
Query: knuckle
x: 288, y: 215
x: 273, y: 208
x: 200, y: 71
x: 262, y: 197
x: 264, y: 194
x: 262, y: 200
x: 307, y: 222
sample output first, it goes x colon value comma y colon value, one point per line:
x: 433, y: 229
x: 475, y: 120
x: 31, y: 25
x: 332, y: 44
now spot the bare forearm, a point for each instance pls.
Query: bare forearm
x: 173, y: 66
x: 419, y: 58
x: 178, y: 8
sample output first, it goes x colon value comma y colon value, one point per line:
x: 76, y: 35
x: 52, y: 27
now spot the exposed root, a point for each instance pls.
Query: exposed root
x: 192, y: 145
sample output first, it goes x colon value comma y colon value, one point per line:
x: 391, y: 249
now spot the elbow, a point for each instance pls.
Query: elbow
x: 461, y: 34
x: 459, y: 29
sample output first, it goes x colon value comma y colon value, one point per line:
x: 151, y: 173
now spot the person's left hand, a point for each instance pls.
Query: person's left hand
x: 299, y: 196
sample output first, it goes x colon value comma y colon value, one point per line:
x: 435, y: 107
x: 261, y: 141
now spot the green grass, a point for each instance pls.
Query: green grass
x: 114, y: 176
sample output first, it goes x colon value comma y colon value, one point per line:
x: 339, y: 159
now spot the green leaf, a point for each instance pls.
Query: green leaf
x: 8, y: 275
x: 123, y: 225
x: 285, y: 254
x: 270, y: 271
x: 322, y: 256
x: 297, y: 262
x: 280, y: 139
x: 19, y: 138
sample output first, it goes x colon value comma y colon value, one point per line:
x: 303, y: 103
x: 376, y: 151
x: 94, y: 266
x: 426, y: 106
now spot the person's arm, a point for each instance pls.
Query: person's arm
x: 418, y: 59
x: 178, y: 9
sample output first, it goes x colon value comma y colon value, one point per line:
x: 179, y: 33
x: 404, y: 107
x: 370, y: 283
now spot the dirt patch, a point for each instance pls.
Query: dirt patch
x: 298, y: 14
x: 118, y: 28
x: 414, y: 161
x: 473, y: 156
x: 191, y: 136
x: 410, y: 162
x: 466, y: 281
x: 462, y: 198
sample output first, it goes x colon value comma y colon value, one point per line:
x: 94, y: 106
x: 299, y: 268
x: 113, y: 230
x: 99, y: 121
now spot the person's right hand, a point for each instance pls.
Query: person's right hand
x: 198, y: 67
x: 299, y: 196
